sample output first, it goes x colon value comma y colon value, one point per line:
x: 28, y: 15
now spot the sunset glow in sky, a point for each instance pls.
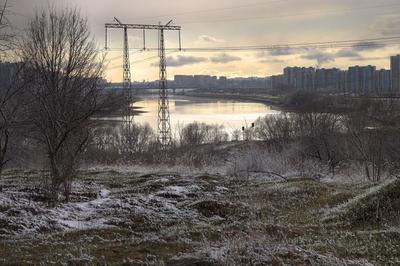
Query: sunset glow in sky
x: 210, y: 23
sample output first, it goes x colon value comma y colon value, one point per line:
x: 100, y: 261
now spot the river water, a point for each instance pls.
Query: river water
x: 232, y: 114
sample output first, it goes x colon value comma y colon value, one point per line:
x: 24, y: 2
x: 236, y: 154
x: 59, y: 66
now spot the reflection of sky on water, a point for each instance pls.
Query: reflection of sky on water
x: 232, y: 114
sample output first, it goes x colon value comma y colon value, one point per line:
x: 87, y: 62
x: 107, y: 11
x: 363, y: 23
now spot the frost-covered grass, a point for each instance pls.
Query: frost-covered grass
x: 146, y: 217
x: 379, y: 204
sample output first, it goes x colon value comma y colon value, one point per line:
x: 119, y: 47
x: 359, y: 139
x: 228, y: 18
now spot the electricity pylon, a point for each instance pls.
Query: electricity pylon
x: 164, y: 126
x: 128, y: 117
x: 164, y: 123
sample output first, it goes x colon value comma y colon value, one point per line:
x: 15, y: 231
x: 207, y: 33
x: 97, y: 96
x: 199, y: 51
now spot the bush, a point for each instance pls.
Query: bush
x: 319, y: 135
x: 201, y: 133
x: 278, y: 129
x: 112, y: 144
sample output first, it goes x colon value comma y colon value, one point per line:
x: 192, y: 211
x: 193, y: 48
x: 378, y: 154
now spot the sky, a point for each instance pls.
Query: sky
x: 222, y: 23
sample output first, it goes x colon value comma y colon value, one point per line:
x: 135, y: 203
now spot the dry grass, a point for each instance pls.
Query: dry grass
x: 232, y: 221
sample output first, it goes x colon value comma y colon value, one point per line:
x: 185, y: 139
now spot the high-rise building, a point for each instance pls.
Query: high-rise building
x: 356, y: 80
x: 299, y: 78
x: 222, y: 82
x: 327, y: 79
x: 306, y: 79
x: 395, y: 73
x: 360, y: 79
x: 290, y: 76
x: 184, y: 81
x: 277, y: 82
x: 204, y: 81
x: 382, y: 82
x: 342, y: 86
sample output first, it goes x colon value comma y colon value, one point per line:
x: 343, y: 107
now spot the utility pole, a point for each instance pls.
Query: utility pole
x: 164, y: 126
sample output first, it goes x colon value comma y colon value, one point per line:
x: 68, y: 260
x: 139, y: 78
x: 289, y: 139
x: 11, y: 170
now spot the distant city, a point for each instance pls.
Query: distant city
x: 359, y: 80
x: 362, y: 80
x: 365, y: 80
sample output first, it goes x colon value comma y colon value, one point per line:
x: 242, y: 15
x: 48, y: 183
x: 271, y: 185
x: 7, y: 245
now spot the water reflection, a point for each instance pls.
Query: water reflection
x: 184, y: 110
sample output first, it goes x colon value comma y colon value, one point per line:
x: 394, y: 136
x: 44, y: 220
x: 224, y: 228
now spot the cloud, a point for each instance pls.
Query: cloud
x: 271, y: 61
x: 283, y: 51
x: 181, y: 60
x: 209, y: 39
x: 368, y: 46
x: 224, y: 58
x: 387, y: 25
x: 369, y: 58
x: 347, y: 53
x: 321, y: 57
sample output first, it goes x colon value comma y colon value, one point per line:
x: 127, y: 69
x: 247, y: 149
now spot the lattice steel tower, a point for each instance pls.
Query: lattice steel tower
x: 127, y: 85
x: 164, y: 125
x: 128, y: 117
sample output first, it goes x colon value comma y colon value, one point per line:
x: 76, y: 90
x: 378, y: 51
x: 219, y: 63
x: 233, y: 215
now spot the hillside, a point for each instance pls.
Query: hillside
x: 143, y: 218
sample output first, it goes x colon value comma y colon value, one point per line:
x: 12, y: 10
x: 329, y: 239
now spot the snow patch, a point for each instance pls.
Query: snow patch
x: 104, y: 193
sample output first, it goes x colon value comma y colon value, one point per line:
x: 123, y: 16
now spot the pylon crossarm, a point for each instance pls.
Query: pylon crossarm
x: 141, y: 26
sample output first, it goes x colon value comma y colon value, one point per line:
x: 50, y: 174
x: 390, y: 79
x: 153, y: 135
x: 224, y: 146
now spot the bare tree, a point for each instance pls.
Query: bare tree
x: 109, y: 144
x: 10, y: 89
x: 200, y: 133
x: 10, y: 108
x: 64, y: 70
x: 278, y: 130
x: 321, y: 137
x: 6, y: 43
x: 3, y: 23
x: 373, y: 138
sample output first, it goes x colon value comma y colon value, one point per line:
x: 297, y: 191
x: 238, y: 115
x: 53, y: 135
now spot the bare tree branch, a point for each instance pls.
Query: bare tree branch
x: 64, y: 69
x: 2, y: 12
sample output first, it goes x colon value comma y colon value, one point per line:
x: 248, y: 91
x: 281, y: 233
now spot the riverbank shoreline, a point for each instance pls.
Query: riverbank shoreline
x: 274, y: 102
x: 266, y: 99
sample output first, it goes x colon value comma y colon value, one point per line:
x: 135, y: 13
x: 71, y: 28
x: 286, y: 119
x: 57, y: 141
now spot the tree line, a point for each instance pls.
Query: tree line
x: 367, y: 134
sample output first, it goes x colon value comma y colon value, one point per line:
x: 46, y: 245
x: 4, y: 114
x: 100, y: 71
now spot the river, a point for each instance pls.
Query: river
x: 232, y: 114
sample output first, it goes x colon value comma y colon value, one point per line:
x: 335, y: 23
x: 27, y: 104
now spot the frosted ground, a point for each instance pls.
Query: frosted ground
x: 141, y: 216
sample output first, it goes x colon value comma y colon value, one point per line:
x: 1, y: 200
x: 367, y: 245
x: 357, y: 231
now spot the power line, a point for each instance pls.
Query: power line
x: 147, y: 59
x: 214, y: 9
x: 304, y: 47
x: 355, y: 43
x: 119, y: 57
x: 275, y: 47
x: 292, y: 15
x: 370, y: 42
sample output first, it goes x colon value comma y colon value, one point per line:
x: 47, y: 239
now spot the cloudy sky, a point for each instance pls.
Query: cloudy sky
x: 210, y: 23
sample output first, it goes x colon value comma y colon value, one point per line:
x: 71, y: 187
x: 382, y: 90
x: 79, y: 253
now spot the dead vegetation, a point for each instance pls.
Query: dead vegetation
x: 170, y: 219
x: 378, y: 206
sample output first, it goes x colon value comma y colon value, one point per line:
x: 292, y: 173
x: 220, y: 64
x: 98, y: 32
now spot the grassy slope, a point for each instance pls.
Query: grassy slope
x: 260, y: 222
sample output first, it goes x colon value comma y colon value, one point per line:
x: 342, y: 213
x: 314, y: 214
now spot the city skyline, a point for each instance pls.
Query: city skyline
x: 357, y: 79
x: 243, y: 23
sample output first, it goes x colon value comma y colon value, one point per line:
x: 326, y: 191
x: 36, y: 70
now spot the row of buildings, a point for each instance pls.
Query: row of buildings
x: 213, y: 82
x: 199, y: 81
x: 355, y: 80
x: 366, y: 80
